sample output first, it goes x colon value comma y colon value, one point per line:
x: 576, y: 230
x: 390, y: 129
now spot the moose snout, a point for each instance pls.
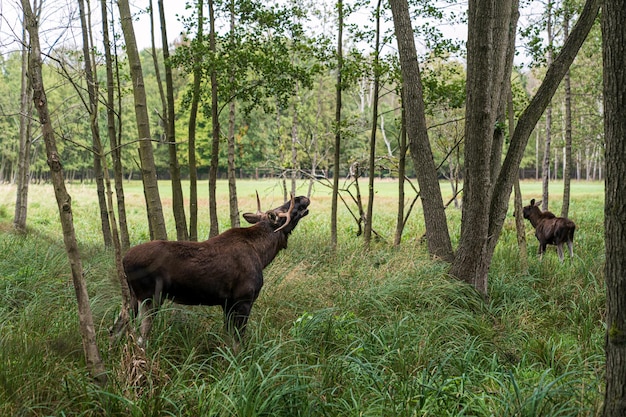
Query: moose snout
x: 304, y: 202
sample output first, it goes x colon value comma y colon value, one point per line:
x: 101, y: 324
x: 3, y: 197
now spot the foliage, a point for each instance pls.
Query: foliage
x: 274, y: 51
x: 378, y: 332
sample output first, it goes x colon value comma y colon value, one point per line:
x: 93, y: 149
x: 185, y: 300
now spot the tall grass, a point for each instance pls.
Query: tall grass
x: 352, y: 332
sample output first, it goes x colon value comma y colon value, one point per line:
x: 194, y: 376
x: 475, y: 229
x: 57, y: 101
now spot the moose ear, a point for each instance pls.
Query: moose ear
x: 532, y: 202
x: 252, y: 218
x: 538, y: 203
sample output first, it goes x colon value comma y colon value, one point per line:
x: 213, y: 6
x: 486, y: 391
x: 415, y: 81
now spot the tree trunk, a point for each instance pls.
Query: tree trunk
x: 337, y: 150
x: 545, y: 168
x: 116, y: 152
x: 520, y: 227
x: 178, y: 203
x: 95, y: 129
x: 23, y: 160
x: 537, y: 155
x: 367, y: 233
x: 567, y: 155
x: 479, y: 121
x: 437, y: 236
x: 613, y: 52
x: 156, y: 220
x: 314, y: 138
x: 215, y: 143
x: 401, y: 173
x: 232, y: 173
x: 294, y: 141
x: 232, y: 177
x: 64, y: 202
x: 193, y: 113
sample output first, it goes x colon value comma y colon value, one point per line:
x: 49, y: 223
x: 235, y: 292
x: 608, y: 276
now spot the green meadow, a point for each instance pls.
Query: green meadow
x: 355, y: 332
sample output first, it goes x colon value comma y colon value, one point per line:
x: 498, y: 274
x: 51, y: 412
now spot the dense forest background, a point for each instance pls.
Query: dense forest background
x: 284, y: 94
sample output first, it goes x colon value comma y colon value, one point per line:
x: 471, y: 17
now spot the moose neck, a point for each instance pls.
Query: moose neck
x: 266, y: 242
x: 534, y: 216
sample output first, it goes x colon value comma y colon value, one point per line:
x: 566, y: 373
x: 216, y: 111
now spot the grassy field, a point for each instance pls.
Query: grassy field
x: 383, y: 332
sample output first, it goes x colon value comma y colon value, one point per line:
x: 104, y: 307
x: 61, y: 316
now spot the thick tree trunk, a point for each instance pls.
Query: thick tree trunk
x: 488, y: 40
x: 178, y: 203
x: 437, y: 236
x: 64, y: 202
x: 23, y: 160
x: 156, y: 220
x: 507, y: 16
x: 614, y: 53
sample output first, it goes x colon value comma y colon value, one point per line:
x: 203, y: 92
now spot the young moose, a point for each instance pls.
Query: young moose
x: 226, y: 270
x: 550, y: 229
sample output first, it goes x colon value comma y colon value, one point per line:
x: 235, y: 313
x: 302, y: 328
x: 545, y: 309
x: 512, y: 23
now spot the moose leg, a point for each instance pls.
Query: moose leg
x: 147, y: 310
x: 146, y: 314
x: 542, y: 249
x: 236, y: 315
x: 559, y: 250
x: 570, y: 246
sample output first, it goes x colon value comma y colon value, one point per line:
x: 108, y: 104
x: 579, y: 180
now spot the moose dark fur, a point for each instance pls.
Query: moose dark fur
x: 550, y: 229
x: 226, y: 270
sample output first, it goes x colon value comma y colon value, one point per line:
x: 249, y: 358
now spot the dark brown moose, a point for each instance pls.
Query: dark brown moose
x: 550, y: 229
x: 226, y: 270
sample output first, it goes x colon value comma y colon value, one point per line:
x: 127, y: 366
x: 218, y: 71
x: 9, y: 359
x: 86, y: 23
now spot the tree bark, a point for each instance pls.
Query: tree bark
x: 121, y: 239
x: 156, y: 220
x: 337, y: 149
x: 193, y: 113
x: 479, y: 122
x: 23, y: 160
x: 614, y: 66
x: 232, y: 178
x: 294, y: 140
x: 64, y: 201
x: 520, y: 227
x: 178, y: 203
x: 215, y: 143
x: 401, y: 173
x: 437, y: 236
x: 545, y: 167
x: 116, y: 151
x: 95, y: 129
x: 567, y: 157
x: 367, y: 232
